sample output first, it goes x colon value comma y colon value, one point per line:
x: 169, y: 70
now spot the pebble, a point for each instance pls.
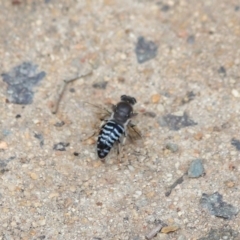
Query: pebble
x: 155, y: 98
x: 196, y: 169
x: 198, y: 136
x: 172, y: 147
x: 33, y: 176
x: 229, y: 184
x: 235, y: 93
x: 3, y: 145
x: 145, y: 50
x: 168, y: 229
x: 42, y: 222
x: 137, y: 194
x: 53, y: 195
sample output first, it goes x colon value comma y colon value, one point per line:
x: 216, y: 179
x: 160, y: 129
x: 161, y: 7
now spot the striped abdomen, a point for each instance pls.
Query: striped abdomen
x: 109, y: 134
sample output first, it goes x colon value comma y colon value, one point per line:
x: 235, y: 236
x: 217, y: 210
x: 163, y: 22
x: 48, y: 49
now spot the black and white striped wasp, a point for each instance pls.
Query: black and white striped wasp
x: 116, y: 127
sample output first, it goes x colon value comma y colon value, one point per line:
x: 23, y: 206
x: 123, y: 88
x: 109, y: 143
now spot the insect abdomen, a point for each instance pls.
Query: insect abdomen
x: 109, y: 134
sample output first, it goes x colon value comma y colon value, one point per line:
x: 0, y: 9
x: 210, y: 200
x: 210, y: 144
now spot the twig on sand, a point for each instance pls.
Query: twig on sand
x: 63, y: 87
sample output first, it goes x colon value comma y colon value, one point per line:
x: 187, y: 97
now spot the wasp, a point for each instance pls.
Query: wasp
x: 115, y: 128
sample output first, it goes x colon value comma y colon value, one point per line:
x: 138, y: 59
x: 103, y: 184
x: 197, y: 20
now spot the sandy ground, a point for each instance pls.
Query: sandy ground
x: 50, y: 194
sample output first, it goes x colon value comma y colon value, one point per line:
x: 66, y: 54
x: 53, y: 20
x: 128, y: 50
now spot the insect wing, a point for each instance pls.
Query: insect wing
x: 102, y: 113
x: 134, y: 132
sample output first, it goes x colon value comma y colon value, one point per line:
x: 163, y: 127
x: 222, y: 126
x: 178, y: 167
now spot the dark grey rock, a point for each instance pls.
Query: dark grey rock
x: 61, y: 146
x: 222, y: 71
x: 177, y: 122
x: 145, y: 50
x: 236, y: 143
x: 225, y: 233
x: 100, y: 85
x: 40, y: 138
x: 196, y: 168
x: 191, y: 39
x: 59, y: 124
x: 215, y: 205
x: 21, y: 80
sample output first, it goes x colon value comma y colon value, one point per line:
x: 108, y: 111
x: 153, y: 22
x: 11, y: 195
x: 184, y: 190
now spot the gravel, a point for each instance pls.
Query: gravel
x: 179, y: 59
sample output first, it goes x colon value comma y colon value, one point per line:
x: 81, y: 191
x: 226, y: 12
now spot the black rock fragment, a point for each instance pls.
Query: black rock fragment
x: 59, y: 124
x: 21, y: 80
x: 236, y: 143
x: 223, y: 233
x: 40, y: 138
x: 100, y: 85
x: 215, y: 205
x: 145, y: 50
x: 222, y: 71
x: 61, y: 146
x: 176, y: 122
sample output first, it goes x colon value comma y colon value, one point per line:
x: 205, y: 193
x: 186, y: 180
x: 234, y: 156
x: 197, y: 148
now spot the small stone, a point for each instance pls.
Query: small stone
x: 33, y: 175
x: 145, y: 50
x: 215, y: 205
x: 176, y: 121
x: 169, y: 229
x: 3, y: 145
x: 53, y: 195
x: 59, y: 124
x: 235, y: 93
x: 155, y: 98
x: 61, y: 146
x: 100, y: 85
x: 172, y: 147
x: 198, y: 136
x: 229, y: 184
x: 222, y: 71
x: 191, y: 39
x: 137, y: 194
x: 42, y: 222
x: 90, y: 141
x: 236, y: 143
x: 97, y: 164
x: 196, y: 169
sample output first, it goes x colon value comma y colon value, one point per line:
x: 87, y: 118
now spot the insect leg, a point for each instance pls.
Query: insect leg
x: 119, y: 151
